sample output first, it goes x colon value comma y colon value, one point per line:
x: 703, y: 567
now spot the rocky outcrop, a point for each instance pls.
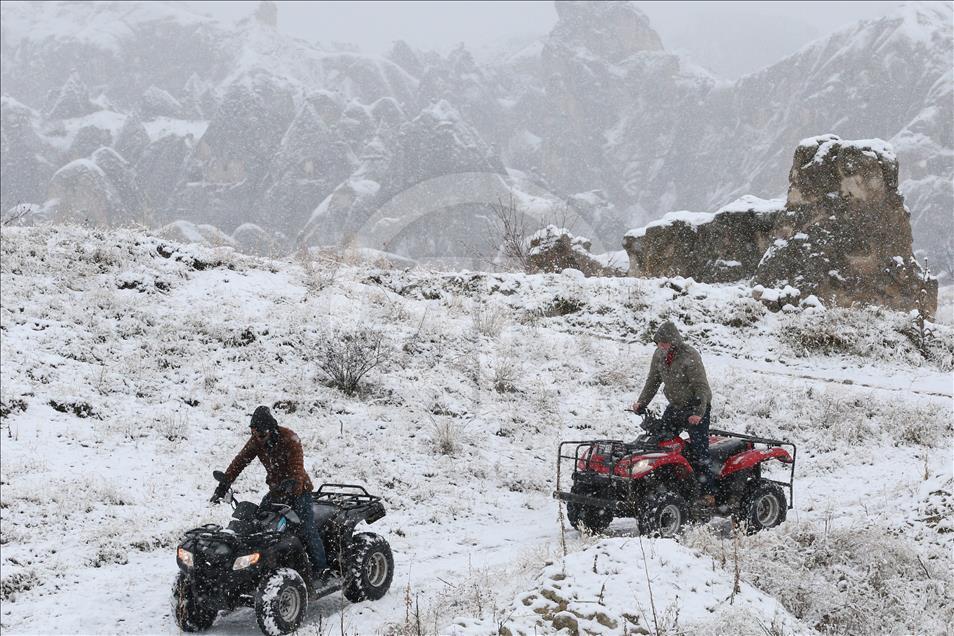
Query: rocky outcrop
x: 714, y: 248
x: 310, y: 162
x: 159, y: 168
x: 224, y: 171
x: 87, y: 140
x: 252, y: 239
x: 132, y: 139
x: 72, y: 100
x: 554, y: 249
x: 156, y: 102
x: 187, y: 232
x: 80, y: 192
x: 123, y: 179
x: 25, y: 160
x: 845, y: 234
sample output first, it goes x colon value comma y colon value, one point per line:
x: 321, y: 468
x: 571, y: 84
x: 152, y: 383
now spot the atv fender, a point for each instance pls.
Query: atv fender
x: 749, y: 458
x: 675, y: 463
x: 288, y: 552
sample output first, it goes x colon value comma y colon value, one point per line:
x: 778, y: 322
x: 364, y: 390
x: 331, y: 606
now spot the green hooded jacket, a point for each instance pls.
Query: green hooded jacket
x: 685, y: 379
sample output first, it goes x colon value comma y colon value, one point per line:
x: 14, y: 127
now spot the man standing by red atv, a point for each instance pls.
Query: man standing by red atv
x: 279, y: 450
x: 679, y: 367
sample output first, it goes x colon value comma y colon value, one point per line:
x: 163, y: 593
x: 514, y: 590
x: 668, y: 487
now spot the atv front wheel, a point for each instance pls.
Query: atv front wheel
x: 190, y: 615
x: 281, y: 601
x: 663, y: 514
x: 370, y: 568
x: 763, y: 507
x: 584, y: 518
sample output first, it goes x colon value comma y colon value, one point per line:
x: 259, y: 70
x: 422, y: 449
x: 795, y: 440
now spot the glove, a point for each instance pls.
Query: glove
x: 219, y: 493
x: 640, y: 409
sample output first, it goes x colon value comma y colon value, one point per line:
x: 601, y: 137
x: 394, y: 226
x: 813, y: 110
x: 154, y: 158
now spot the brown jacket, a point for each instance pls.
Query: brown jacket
x: 282, y: 461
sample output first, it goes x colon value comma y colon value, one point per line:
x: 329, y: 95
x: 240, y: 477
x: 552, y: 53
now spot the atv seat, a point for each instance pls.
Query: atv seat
x: 724, y: 449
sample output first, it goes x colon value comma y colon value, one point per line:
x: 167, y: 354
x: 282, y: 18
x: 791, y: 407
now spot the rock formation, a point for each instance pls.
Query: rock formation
x: 715, y: 248
x: 843, y: 235
x: 554, y: 249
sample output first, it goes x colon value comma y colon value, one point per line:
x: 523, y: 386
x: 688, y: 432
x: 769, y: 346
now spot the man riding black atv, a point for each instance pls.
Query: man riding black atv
x: 279, y: 450
x: 679, y: 367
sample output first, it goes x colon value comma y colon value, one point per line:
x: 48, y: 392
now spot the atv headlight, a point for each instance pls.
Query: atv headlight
x: 246, y: 561
x: 185, y: 557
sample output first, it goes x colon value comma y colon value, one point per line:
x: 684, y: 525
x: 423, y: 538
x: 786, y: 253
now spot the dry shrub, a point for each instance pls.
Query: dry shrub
x: 345, y: 357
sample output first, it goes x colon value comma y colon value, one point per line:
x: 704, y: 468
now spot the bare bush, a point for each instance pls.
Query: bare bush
x: 510, y: 229
x: 319, y: 273
x: 862, y: 333
x: 445, y: 436
x: 174, y: 427
x: 489, y: 320
x: 508, y: 234
x: 858, y: 579
x: 505, y: 373
x: 345, y: 357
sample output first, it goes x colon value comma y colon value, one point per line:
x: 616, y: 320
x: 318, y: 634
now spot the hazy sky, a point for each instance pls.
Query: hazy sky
x: 733, y: 37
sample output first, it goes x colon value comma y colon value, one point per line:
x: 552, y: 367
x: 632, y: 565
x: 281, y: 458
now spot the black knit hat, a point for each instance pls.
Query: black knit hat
x: 262, y: 420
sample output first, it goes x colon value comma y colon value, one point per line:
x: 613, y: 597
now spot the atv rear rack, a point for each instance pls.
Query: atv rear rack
x: 344, y: 495
x: 790, y: 484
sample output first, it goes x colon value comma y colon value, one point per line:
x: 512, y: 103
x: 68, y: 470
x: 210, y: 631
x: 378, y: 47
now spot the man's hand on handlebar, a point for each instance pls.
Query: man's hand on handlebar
x: 220, y: 491
x: 638, y: 408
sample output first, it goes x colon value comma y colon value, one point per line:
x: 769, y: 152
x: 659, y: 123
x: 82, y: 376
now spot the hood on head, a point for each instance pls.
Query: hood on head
x: 263, y: 420
x: 667, y: 332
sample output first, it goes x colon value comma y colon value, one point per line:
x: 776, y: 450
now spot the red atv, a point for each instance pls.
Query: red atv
x: 651, y: 480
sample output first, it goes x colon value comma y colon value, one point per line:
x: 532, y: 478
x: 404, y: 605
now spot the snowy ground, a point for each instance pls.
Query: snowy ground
x: 130, y: 366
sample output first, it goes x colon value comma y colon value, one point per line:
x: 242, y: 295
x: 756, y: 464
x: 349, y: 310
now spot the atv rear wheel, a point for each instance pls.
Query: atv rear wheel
x: 763, y: 506
x: 281, y: 601
x: 663, y: 514
x: 584, y: 518
x: 369, y: 569
x: 190, y: 615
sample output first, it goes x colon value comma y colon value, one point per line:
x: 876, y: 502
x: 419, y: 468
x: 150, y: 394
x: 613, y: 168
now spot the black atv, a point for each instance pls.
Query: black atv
x: 260, y: 560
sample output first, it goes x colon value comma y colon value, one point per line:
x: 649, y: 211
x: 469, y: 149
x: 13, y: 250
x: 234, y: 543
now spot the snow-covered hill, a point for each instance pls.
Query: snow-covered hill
x: 227, y: 124
x: 130, y: 365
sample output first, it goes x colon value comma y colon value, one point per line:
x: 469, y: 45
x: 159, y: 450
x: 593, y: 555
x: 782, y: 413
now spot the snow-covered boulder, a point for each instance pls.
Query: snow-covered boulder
x: 554, y: 249
x: 252, y: 239
x: 710, y: 247
x: 845, y: 236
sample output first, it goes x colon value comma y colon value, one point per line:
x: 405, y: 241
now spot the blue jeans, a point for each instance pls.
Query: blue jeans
x: 697, y: 452
x: 302, y: 505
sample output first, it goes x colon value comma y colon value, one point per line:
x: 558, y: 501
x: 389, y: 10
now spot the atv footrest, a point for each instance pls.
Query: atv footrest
x: 585, y: 500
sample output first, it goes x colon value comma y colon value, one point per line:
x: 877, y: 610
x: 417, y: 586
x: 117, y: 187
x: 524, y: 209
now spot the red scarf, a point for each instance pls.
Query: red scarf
x: 670, y: 355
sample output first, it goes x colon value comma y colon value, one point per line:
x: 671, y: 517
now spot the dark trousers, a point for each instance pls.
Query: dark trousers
x: 697, y: 452
x: 302, y: 505
x: 316, y: 549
